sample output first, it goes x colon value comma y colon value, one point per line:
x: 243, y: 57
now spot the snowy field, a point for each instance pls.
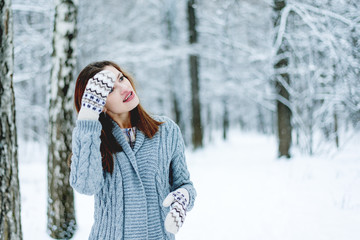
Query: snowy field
x: 244, y: 193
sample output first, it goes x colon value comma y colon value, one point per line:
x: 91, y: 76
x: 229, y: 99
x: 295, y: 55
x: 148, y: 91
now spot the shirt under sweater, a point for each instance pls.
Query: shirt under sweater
x: 128, y: 202
x: 130, y: 135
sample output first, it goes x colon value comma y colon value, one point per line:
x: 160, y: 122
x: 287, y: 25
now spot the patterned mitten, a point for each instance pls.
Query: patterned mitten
x: 95, y: 94
x: 178, y: 202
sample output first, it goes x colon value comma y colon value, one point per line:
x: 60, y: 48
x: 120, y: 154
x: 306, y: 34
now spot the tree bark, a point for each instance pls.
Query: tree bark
x: 61, y: 212
x: 283, y: 111
x: 336, y: 129
x: 10, y: 201
x: 197, y: 133
x: 355, y: 38
x: 225, y: 120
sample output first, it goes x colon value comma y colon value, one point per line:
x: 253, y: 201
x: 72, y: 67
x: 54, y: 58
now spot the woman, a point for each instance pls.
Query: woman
x: 133, y: 163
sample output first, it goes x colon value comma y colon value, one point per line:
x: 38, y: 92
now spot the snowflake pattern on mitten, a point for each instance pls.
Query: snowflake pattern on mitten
x: 97, y: 90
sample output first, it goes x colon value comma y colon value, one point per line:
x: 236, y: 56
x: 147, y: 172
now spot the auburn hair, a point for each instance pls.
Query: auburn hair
x: 138, y: 116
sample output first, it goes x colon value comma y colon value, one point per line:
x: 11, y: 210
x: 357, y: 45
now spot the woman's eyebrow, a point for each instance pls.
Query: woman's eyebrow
x: 118, y: 76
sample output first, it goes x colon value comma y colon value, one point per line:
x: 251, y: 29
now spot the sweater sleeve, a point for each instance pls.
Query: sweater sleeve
x: 179, y: 174
x: 86, y: 175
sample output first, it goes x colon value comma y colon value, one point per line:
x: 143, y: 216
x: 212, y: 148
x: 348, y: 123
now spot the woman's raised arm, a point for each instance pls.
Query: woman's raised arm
x: 86, y: 175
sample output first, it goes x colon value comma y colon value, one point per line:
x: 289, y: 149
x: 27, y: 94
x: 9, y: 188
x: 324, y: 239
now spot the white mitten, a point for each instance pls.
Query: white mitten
x: 95, y: 95
x: 178, y: 201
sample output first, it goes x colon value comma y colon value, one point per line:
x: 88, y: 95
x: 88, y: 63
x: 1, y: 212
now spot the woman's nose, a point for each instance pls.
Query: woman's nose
x: 123, y: 88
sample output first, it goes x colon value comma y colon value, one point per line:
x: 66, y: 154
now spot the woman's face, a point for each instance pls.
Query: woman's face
x: 122, y: 98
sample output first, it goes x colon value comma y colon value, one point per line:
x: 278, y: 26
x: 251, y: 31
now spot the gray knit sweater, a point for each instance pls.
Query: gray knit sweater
x: 128, y: 202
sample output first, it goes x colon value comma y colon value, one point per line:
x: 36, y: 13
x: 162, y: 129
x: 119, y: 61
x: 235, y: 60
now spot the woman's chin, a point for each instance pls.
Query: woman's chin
x: 134, y: 104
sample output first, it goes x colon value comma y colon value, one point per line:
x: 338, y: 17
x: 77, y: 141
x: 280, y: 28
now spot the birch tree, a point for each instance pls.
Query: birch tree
x: 61, y: 214
x: 10, y: 220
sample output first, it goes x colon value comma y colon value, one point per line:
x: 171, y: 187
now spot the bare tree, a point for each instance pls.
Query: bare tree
x: 319, y: 41
x: 61, y: 213
x: 235, y: 56
x: 172, y: 40
x: 197, y: 133
x: 282, y: 77
x: 225, y: 120
x: 33, y: 20
x: 10, y: 221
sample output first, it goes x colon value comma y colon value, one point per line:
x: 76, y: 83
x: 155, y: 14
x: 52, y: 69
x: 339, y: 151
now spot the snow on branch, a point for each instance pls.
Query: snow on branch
x: 281, y: 29
x: 325, y: 13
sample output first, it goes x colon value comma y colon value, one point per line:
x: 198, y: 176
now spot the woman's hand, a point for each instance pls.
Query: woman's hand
x: 178, y: 201
x: 95, y: 95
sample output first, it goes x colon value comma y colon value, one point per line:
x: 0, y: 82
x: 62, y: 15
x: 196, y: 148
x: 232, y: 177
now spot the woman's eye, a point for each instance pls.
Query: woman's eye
x: 121, y: 78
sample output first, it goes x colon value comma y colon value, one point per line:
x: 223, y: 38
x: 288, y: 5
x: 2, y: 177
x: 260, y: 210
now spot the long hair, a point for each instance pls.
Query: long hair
x: 138, y: 116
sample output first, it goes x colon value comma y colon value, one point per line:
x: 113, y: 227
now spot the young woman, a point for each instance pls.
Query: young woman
x: 132, y: 162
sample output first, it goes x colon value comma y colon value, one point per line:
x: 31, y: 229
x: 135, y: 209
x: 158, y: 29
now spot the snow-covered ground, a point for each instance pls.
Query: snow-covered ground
x: 244, y: 192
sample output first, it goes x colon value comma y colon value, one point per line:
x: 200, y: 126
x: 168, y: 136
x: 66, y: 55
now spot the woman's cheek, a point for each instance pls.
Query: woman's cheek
x: 109, y: 101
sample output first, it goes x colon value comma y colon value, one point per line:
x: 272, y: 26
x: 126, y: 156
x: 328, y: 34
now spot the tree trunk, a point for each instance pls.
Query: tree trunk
x: 172, y: 37
x: 197, y: 134
x: 335, y: 116
x: 209, y: 123
x: 283, y: 111
x: 355, y: 38
x: 10, y: 202
x: 261, y: 125
x: 336, y: 129
x: 61, y: 212
x: 225, y: 120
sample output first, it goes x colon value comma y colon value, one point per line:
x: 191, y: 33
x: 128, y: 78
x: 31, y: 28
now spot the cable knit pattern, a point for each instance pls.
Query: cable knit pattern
x: 85, y: 177
x: 128, y: 203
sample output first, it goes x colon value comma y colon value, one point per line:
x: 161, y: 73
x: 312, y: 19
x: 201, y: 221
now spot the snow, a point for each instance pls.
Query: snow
x: 244, y: 192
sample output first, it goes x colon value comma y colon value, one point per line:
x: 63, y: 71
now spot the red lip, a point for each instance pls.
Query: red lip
x: 126, y: 94
x: 131, y: 96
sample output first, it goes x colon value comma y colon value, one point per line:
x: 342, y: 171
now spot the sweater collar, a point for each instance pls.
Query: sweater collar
x: 129, y: 152
x: 119, y: 136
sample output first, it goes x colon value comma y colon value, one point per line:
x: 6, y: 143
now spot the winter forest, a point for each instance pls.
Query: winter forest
x: 266, y: 94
